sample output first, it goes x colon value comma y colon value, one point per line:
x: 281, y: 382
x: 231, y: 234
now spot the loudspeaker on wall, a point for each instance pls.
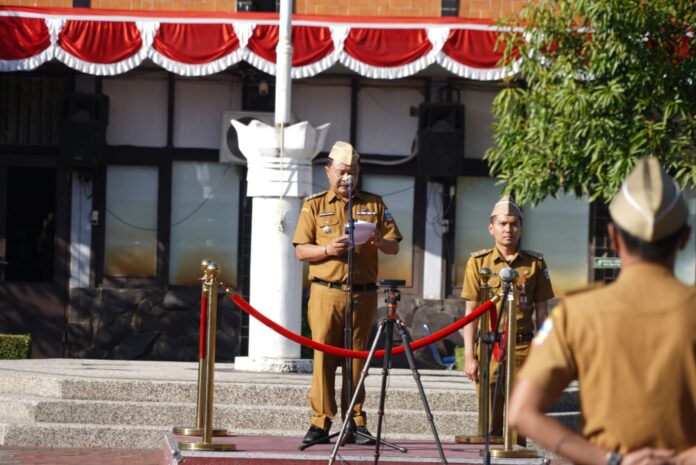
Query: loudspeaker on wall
x: 440, y: 142
x: 83, y: 123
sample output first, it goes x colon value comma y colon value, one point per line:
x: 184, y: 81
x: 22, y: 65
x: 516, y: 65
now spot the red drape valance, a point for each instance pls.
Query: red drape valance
x: 22, y: 37
x: 100, y: 41
x: 107, y: 42
x: 195, y: 43
x: 387, y: 47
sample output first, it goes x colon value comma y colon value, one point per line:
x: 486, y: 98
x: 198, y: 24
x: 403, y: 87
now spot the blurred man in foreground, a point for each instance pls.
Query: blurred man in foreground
x: 630, y: 344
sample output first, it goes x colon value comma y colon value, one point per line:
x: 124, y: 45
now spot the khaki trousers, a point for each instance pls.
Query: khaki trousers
x: 325, y: 316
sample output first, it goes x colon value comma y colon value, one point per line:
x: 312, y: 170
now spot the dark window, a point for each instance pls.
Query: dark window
x: 81, y: 3
x: 449, y: 8
x: 31, y: 213
x: 605, y: 264
x: 30, y: 108
x: 258, y: 5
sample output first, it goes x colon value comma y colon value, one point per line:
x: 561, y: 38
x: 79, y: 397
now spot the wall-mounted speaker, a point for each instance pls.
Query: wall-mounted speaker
x: 84, y: 118
x: 440, y: 140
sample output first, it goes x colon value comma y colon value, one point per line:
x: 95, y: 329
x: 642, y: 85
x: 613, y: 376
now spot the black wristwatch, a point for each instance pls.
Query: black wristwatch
x: 614, y: 458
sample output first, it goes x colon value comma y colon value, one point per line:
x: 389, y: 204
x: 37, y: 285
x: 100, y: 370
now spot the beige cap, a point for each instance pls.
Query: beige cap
x: 649, y: 205
x: 506, y: 206
x: 343, y: 152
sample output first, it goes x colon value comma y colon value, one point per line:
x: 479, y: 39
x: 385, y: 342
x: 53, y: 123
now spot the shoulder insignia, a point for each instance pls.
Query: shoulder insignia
x: 369, y: 196
x: 580, y: 290
x: 370, y: 193
x: 314, y: 196
x: 534, y: 254
x: 481, y: 253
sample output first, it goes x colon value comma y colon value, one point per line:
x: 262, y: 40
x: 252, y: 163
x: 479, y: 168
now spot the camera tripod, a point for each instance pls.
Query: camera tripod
x: 386, y: 327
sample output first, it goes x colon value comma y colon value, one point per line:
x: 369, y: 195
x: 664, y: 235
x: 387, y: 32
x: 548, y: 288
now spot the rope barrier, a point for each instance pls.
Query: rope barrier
x: 204, y: 324
x: 340, y: 352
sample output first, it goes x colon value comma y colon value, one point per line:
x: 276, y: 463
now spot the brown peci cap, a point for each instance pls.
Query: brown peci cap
x: 506, y: 206
x: 650, y: 205
x: 343, y: 152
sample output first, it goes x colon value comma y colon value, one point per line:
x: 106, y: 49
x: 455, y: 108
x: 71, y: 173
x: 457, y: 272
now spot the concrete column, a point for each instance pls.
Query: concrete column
x: 81, y: 218
x: 278, y: 185
x: 433, y: 273
x: 280, y: 174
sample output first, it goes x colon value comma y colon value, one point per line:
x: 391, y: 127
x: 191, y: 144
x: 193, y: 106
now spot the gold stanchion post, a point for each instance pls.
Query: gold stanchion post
x: 484, y: 403
x: 202, y: 376
x: 510, y: 435
x: 206, y: 390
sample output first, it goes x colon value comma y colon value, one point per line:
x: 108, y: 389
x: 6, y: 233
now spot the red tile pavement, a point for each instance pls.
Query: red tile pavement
x: 81, y: 456
x: 102, y: 456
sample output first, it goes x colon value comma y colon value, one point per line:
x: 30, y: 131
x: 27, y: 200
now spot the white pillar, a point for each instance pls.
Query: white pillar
x: 433, y: 285
x: 81, y: 218
x: 283, y: 95
x: 275, y: 289
x: 279, y: 175
x: 277, y: 185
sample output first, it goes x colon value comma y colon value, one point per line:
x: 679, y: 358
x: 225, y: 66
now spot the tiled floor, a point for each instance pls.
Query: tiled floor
x: 91, y: 456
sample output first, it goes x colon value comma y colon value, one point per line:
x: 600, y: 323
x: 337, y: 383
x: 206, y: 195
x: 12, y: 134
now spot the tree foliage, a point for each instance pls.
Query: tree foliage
x: 601, y: 83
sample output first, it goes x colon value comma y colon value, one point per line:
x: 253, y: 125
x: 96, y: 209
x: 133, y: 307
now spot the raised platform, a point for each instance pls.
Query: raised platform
x: 282, y: 450
x: 72, y: 403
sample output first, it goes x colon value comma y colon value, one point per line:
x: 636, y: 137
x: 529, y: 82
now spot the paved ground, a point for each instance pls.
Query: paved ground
x: 92, y: 456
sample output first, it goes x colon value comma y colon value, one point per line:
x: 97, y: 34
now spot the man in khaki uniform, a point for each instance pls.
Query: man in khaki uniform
x: 506, y: 228
x: 320, y: 239
x: 630, y: 344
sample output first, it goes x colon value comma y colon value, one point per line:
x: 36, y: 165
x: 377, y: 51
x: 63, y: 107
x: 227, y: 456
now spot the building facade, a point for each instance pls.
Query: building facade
x: 120, y: 170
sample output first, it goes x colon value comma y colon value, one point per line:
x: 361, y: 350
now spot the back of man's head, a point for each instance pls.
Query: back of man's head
x: 649, y: 211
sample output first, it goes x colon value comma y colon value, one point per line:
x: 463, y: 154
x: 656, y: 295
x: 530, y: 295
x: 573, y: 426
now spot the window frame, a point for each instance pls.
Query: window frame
x: 163, y: 159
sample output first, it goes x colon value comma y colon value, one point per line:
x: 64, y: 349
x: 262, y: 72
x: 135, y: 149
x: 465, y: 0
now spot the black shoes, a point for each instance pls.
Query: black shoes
x: 316, y: 435
x: 361, y: 437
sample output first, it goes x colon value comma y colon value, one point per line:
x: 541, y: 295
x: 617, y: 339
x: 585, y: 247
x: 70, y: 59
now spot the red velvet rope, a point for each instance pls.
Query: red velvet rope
x: 204, y: 325
x: 340, y: 352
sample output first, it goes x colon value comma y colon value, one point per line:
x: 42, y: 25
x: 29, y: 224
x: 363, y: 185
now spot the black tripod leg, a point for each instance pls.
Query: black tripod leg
x: 386, y: 365
x: 406, y: 339
x: 361, y: 381
x: 384, y: 443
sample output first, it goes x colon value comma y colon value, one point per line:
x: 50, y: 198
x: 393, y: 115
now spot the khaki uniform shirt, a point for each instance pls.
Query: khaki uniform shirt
x: 632, y: 347
x: 526, y: 263
x: 323, y: 219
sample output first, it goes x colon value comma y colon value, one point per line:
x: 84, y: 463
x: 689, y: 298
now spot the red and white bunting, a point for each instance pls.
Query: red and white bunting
x: 110, y: 42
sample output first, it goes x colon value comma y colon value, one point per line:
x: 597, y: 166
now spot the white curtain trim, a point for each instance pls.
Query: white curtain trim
x: 27, y: 64
x: 394, y: 72
x: 203, y: 69
x: 479, y: 74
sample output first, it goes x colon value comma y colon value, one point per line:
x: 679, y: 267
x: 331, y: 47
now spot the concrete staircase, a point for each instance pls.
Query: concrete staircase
x: 105, y: 403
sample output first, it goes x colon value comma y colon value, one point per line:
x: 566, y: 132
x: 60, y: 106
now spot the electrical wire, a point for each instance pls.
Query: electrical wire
x: 176, y: 223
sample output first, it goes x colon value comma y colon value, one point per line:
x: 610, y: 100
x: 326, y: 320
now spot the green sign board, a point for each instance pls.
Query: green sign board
x: 607, y: 262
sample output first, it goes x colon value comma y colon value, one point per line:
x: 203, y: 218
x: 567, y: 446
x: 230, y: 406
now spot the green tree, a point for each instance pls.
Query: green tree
x: 601, y: 83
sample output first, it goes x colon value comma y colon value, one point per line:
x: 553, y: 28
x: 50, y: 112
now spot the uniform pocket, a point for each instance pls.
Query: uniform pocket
x: 328, y: 228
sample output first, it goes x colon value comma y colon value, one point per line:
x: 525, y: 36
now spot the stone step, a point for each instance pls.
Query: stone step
x: 457, y: 397
x: 233, y: 417
x: 108, y: 403
x: 82, y: 435
x: 120, y: 436
x: 150, y: 437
